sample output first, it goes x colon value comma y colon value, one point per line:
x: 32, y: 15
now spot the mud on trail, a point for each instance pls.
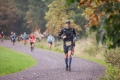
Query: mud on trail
x: 51, y: 66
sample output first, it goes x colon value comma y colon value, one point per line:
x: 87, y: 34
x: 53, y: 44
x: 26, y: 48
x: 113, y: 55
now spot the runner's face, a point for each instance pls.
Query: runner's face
x: 67, y: 25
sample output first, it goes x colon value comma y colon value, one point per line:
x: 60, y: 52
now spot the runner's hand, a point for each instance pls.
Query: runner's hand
x: 64, y: 37
x: 74, y: 39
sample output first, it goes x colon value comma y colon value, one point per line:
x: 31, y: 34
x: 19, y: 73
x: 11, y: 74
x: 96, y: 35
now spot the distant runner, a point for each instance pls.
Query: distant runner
x: 67, y: 34
x: 32, y: 41
x: 50, y: 40
x: 13, y: 38
x: 2, y: 36
x: 25, y: 38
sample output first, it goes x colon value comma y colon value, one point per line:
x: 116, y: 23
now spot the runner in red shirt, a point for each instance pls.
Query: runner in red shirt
x: 32, y: 41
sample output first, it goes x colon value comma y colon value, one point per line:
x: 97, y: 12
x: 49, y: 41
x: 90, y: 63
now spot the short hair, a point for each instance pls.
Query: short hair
x: 67, y: 21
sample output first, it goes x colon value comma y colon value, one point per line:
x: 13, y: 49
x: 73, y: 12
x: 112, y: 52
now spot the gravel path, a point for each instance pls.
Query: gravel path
x: 51, y: 66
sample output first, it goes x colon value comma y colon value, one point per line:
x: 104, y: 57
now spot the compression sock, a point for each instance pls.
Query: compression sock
x: 32, y: 48
x: 69, y: 63
x: 66, y: 62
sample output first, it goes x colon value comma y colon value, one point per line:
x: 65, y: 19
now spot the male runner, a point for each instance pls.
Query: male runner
x: 2, y: 36
x: 32, y: 41
x: 50, y: 40
x: 13, y: 38
x: 25, y: 38
x: 67, y: 34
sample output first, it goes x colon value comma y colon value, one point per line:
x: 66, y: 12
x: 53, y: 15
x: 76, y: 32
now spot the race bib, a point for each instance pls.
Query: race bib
x: 68, y: 43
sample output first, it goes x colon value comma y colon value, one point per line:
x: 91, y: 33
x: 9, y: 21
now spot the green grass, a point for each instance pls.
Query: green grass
x: 87, y: 57
x: 12, y: 61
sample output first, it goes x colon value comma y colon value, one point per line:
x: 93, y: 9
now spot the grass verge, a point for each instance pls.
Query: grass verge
x: 12, y: 61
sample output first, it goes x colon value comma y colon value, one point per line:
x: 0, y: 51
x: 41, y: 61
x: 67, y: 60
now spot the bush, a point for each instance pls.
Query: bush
x: 113, y: 73
x: 113, y: 59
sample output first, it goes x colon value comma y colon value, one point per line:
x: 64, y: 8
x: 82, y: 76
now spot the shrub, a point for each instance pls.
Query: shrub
x: 113, y: 59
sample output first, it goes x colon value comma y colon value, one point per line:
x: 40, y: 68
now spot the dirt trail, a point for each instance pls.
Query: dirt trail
x: 51, y: 66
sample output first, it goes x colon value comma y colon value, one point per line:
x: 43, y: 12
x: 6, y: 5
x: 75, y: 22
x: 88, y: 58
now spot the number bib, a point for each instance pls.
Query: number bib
x: 68, y: 43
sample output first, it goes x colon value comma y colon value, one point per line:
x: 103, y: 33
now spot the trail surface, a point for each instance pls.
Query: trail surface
x: 50, y: 66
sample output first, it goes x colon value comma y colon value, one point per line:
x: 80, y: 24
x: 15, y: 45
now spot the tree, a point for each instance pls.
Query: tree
x: 78, y: 18
x: 35, y: 14
x: 21, y: 25
x: 57, y: 15
x: 8, y: 15
x: 105, y: 16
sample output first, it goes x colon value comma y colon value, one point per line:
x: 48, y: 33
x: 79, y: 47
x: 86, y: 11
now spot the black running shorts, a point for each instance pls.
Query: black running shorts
x: 68, y: 48
x: 13, y: 41
x: 31, y: 43
x: 50, y: 43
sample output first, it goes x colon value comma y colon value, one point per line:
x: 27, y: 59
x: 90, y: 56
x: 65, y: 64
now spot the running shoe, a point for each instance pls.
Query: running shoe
x: 69, y: 68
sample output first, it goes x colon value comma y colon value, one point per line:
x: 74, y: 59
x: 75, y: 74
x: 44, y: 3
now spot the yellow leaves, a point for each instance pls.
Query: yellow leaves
x: 78, y: 7
x: 56, y: 17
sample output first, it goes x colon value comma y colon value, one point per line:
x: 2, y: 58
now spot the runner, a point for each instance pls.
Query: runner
x: 32, y: 41
x: 14, y: 39
x: 11, y: 36
x: 67, y: 34
x: 50, y: 40
x: 25, y: 38
x: 2, y: 36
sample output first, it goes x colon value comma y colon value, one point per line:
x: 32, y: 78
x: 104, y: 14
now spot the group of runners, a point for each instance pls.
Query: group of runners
x: 68, y: 35
x: 25, y: 37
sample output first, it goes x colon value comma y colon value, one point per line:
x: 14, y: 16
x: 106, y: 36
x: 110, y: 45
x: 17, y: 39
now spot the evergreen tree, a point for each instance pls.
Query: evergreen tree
x: 35, y: 14
x: 21, y: 25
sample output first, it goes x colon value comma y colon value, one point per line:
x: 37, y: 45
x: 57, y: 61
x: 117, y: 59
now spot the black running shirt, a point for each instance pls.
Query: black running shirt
x: 69, y: 33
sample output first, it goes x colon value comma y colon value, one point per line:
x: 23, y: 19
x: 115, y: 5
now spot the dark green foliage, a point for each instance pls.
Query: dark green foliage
x: 113, y: 57
x: 8, y: 16
x: 71, y: 1
x: 21, y: 26
x: 109, y: 30
x: 37, y: 9
x: 36, y: 13
x: 78, y: 18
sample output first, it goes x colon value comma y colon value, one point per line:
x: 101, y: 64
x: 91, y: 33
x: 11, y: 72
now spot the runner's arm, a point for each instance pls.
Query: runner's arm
x: 74, y: 33
x: 60, y: 34
x: 48, y: 39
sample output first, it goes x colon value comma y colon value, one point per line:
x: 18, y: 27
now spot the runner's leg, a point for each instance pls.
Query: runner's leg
x: 50, y: 46
x: 13, y: 43
x: 69, y: 57
x: 32, y: 46
x: 25, y: 42
x: 66, y: 61
x: 66, y: 56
